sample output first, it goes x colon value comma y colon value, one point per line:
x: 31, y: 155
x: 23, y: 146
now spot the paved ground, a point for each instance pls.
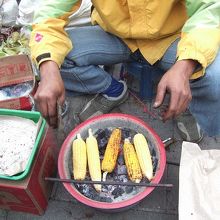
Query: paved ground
x: 160, y: 204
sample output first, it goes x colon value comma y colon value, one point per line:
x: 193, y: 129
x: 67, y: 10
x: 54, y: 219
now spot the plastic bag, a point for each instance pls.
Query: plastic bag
x: 8, y: 13
x: 82, y: 16
x: 26, y: 10
x: 79, y: 18
x: 199, y: 192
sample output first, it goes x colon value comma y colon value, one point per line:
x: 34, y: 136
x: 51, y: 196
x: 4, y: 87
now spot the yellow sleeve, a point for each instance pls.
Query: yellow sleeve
x: 199, y: 45
x: 200, y: 37
x: 49, y: 40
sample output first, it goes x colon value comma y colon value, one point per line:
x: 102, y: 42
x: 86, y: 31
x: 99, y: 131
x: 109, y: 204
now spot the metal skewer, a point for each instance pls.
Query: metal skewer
x: 108, y: 182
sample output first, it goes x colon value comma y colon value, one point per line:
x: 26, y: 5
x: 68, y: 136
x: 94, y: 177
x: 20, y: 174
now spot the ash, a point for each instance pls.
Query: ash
x: 115, y: 193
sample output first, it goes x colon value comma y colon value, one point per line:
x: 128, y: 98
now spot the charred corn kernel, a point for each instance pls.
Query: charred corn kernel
x: 79, y: 158
x: 93, y: 160
x: 112, y: 150
x: 131, y: 162
x: 144, y: 156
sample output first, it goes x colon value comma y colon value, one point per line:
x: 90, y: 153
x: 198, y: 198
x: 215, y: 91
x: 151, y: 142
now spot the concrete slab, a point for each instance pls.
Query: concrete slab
x: 3, y: 214
x: 63, y: 195
x: 65, y: 210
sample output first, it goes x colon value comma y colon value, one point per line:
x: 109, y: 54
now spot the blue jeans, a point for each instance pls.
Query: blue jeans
x: 93, y: 47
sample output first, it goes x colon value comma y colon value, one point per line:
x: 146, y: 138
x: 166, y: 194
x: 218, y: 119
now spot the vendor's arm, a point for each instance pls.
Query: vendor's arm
x: 197, y: 48
x: 49, y: 45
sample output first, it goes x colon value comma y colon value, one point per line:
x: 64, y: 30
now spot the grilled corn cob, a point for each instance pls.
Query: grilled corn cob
x: 112, y: 150
x: 93, y: 160
x: 144, y: 156
x: 131, y: 162
x: 79, y: 158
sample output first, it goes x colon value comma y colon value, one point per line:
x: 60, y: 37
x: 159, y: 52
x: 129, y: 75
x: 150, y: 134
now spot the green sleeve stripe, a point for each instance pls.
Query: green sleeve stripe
x: 53, y: 9
x: 202, y: 14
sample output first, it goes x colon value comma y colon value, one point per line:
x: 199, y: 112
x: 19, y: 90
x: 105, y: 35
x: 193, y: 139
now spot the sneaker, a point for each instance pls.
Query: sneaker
x: 102, y: 104
x: 188, y: 128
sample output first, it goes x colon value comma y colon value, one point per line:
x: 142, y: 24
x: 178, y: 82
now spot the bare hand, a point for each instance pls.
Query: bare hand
x: 50, y: 92
x: 176, y: 82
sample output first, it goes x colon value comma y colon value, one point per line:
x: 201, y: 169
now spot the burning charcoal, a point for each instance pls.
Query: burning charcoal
x: 92, y: 190
x: 155, y: 162
x: 153, y: 152
x: 79, y: 187
x: 128, y: 189
x: 102, y: 139
x: 117, y: 192
x: 145, y: 180
x: 108, y: 199
x: 102, y: 143
x: 94, y: 197
x: 126, y: 133
x: 105, y: 199
x: 106, y: 188
x: 121, y: 160
x: 89, y: 191
x: 115, y: 178
x: 111, y: 176
x: 100, y: 134
x: 110, y: 188
x: 88, y: 194
x: 86, y: 190
x: 121, y: 170
x: 108, y: 132
x: 123, y: 178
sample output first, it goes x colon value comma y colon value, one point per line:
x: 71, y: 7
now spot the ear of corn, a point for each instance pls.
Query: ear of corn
x: 131, y: 161
x: 79, y: 158
x: 144, y: 156
x: 112, y: 150
x: 94, y: 160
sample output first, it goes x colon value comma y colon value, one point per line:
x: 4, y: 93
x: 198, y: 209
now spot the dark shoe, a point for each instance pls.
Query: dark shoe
x: 102, y: 104
x: 188, y: 128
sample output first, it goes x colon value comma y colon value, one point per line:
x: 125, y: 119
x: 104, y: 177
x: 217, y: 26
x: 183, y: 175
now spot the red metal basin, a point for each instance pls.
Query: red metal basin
x: 105, y: 121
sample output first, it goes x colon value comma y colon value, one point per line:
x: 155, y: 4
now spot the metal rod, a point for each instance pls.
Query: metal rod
x: 173, y: 163
x: 167, y: 142
x: 108, y: 182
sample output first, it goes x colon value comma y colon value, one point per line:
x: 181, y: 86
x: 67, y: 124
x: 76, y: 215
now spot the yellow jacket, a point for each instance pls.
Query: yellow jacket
x: 150, y: 26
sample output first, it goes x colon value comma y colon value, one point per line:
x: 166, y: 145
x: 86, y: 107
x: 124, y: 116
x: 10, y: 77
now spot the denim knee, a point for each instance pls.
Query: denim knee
x: 214, y: 89
x: 208, y: 87
x: 206, y: 100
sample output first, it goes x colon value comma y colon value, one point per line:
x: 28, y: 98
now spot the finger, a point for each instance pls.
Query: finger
x: 52, y: 113
x: 41, y: 106
x: 181, y: 108
x: 173, y: 106
x: 61, y: 107
x: 161, y: 91
x: 61, y: 99
x: 184, y: 105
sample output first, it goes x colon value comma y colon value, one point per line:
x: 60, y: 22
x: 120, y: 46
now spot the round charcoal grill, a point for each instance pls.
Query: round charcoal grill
x: 104, y: 122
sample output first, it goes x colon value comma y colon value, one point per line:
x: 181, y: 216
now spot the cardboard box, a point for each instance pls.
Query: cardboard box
x: 32, y: 193
x: 15, y: 70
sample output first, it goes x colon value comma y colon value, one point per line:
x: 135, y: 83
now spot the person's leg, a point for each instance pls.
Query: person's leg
x: 205, y: 95
x: 82, y: 73
x: 206, y: 100
x: 92, y: 47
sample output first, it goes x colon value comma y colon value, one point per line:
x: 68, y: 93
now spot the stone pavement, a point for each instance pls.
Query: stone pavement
x: 161, y: 204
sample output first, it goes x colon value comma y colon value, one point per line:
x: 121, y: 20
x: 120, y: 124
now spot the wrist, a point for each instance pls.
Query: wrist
x: 48, y: 68
x: 189, y: 66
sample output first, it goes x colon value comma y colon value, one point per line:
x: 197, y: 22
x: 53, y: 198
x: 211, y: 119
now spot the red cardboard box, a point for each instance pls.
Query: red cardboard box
x: 32, y: 193
x: 15, y: 70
